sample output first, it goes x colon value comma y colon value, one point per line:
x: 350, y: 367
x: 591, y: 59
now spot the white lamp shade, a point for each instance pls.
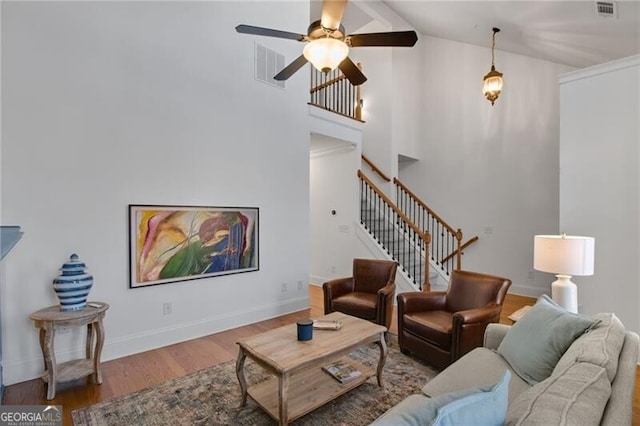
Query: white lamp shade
x: 564, y: 254
x: 325, y: 53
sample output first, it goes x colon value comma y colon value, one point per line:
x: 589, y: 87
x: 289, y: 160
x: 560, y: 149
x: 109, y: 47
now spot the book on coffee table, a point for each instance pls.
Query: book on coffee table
x: 322, y: 324
x: 342, y: 371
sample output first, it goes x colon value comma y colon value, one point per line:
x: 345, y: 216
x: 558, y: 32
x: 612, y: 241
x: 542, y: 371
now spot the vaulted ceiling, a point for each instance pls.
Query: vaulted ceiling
x: 567, y: 32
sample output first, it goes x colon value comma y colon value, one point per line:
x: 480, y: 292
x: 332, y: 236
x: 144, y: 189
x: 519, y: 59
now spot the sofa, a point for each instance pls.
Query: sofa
x: 561, y: 369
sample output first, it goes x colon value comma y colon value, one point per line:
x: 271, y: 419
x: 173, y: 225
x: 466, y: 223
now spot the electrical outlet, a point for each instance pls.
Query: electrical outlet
x: 333, y: 269
x: 167, y: 308
x: 284, y: 287
x: 531, y: 274
x: 299, y: 285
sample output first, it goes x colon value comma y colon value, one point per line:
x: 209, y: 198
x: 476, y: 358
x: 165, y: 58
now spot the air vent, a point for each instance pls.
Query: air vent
x: 607, y: 8
x: 268, y: 63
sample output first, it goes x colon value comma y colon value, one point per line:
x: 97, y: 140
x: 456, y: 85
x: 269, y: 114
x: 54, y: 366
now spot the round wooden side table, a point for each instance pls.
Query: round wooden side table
x: 49, y: 320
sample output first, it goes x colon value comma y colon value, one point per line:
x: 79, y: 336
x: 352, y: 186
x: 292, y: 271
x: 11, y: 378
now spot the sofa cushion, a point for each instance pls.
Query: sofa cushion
x: 600, y: 346
x: 480, y: 367
x: 486, y: 404
x: 487, y: 407
x: 433, y: 326
x: 362, y: 305
x: 577, y: 396
x: 536, y: 342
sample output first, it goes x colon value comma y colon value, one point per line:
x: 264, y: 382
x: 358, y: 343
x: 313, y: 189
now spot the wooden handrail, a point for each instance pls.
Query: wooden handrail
x: 376, y: 169
x: 327, y: 83
x: 460, y: 249
x: 457, y: 233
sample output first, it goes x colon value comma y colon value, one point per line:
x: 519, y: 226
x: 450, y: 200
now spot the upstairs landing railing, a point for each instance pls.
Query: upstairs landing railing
x: 402, y: 239
x: 333, y: 91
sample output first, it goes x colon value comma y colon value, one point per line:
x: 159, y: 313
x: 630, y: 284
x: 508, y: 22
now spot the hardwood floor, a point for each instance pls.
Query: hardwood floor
x: 136, y: 372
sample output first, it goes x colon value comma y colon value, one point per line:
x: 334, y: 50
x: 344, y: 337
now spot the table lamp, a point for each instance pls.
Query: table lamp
x: 564, y: 255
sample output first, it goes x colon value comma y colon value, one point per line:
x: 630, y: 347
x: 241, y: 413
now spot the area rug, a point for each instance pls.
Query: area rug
x: 211, y: 397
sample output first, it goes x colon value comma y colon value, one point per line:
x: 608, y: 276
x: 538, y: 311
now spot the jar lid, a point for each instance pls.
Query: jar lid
x: 73, y: 265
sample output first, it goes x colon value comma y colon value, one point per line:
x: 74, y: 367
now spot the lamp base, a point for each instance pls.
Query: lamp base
x: 565, y: 293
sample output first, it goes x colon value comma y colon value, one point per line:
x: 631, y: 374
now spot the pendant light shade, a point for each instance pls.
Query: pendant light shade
x: 493, y: 83
x: 326, y: 53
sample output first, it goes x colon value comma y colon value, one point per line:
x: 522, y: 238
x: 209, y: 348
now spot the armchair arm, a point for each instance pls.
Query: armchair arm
x: 417, y: 301
x: 477, y: 315
x: 469, y: 327
x: 384, y: 304
x: 386, y: 292
x: 333, y: 289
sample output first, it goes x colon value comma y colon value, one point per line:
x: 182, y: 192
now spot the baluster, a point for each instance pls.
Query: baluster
x: 413, y: 259
x: 368, y: 214
x: 451, y: 250
x: 370, y: 207
x: 442, y: 245
x: 336, y: 104
x: 350, y: 97
x: 339, y: 90
x: 392, y: 241
x: 362, y: 203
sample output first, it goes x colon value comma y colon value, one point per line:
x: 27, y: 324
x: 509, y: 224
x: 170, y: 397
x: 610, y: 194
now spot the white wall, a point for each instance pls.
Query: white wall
x: 492, y: 171
x: 109, y: 104
x: 333, y: 188
x: 391, y: 108
x: 377, y: 92
x: 600, y: 181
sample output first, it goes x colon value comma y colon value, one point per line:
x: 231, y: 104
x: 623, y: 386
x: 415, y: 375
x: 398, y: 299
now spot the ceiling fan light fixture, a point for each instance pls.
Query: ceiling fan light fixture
x: 492, y: 82
x: 326, y: 53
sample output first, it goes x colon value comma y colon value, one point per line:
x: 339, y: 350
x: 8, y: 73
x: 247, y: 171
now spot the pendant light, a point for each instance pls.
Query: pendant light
x: 492, y: 86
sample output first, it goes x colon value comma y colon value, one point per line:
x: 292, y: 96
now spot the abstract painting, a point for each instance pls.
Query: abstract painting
x: 178, y: 243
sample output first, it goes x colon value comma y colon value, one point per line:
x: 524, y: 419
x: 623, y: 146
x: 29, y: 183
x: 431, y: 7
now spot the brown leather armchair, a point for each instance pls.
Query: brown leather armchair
x: 440, y: 327
x: 368, y: 294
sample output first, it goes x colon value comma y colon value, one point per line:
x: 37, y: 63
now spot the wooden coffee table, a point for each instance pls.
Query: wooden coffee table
x: 299, y: 385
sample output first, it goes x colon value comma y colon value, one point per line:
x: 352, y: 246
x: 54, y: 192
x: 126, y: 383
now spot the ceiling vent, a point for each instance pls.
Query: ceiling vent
x: 268, y: 63
x: 607, y: 8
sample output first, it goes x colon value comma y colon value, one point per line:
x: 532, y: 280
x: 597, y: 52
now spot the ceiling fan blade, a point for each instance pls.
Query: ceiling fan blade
x: 249, y: 29
x: 352, y: 72
x: 332, y: 11
x: 290, y: 69
x: 397, y: 38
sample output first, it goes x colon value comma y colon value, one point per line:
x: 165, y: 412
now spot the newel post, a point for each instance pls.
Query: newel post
x: 459, y: 250
x: 426, y: 237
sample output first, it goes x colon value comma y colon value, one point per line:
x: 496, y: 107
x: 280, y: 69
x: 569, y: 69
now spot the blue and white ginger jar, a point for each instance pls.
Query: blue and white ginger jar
x: 73, y: 285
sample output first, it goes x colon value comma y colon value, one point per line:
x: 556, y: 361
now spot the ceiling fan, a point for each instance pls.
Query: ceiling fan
x: 328, y: 44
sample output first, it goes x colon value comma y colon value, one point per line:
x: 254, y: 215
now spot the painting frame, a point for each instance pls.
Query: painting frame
x: 176, y: 243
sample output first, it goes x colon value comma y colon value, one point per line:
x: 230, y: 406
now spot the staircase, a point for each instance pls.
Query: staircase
x: 392, y: 238
x: 425, y: 247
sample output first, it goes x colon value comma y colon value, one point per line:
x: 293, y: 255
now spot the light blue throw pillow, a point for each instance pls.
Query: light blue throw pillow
x: 533, y: 346
x: 486, y: 405
x: 484, y: 408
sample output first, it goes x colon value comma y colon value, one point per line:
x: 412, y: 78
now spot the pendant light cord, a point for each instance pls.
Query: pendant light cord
x: 493, y: 45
